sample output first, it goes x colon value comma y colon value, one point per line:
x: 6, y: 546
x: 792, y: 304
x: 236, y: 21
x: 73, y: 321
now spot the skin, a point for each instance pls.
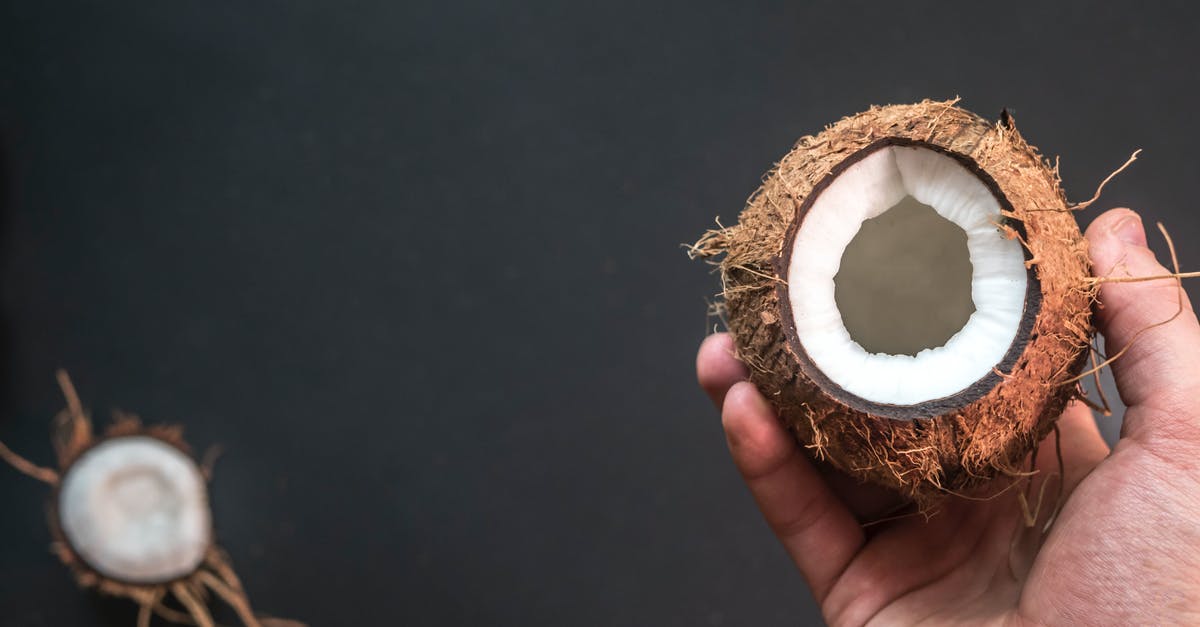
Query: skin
x: 1123, y: 548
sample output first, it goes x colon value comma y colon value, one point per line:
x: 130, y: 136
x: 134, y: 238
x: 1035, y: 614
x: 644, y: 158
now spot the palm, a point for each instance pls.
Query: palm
x: 974, y: 561
x: 1126, y: 539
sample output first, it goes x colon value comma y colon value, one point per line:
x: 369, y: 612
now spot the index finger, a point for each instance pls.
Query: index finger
x: 717, y: 368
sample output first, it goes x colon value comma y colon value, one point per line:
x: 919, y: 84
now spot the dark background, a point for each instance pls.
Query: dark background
x: 418, y: 267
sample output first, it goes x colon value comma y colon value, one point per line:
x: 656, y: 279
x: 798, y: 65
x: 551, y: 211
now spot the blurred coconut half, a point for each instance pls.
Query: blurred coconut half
x: 130, y: 517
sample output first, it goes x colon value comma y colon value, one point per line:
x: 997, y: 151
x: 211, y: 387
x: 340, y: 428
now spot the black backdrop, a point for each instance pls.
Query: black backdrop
x: 418, y: 267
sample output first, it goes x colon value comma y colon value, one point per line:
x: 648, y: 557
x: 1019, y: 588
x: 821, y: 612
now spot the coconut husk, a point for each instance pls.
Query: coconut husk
x: 945, y: 446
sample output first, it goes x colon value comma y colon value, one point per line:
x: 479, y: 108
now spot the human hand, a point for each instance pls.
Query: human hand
x: 1125, y: 548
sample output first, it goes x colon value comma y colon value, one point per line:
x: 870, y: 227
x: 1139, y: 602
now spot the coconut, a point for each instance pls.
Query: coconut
x: 130, y: 517
x: 135, y: 508
x: 909, y: 289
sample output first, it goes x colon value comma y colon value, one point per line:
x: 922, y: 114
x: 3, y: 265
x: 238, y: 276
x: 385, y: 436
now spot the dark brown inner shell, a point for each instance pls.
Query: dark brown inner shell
x: 933, y: 407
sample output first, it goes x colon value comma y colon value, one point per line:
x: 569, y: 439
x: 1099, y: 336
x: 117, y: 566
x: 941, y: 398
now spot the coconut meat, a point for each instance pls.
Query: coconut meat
x: 135, y: 509
x: 933, y: 352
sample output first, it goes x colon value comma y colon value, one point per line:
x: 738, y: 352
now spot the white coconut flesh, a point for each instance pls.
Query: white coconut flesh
x: 902, y: 287
x: 136, y: 509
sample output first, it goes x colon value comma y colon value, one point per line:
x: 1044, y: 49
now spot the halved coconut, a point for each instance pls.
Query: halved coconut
x: 135, y: 508
x: 131, y: 518
x: 909, y: 290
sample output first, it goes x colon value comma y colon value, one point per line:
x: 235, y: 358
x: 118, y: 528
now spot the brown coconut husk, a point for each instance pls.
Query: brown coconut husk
x: 72, y: 436
x: 928, y: 451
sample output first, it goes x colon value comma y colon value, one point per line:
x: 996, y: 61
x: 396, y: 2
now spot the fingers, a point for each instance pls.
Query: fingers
x: 814, y: 526
x: 717, y: 370
x: 716, y: 367
x: 1159, y: 374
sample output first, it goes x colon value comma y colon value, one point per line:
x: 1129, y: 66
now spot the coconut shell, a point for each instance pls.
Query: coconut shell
x: 949, y: 445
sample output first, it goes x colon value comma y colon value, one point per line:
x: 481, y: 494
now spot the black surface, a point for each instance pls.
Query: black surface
x: 417, y: 266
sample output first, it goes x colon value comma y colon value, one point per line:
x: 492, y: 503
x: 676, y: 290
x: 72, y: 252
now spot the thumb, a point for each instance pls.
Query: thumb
x: 1159, y: 374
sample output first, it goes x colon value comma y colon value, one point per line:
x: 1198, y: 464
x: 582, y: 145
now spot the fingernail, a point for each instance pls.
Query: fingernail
x: 1129, y: 230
